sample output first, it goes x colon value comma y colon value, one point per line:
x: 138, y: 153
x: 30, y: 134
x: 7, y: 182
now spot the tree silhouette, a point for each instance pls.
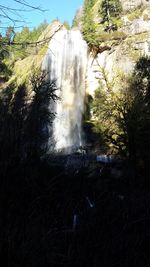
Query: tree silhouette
x: 41, y: 114
x: 24, y: 122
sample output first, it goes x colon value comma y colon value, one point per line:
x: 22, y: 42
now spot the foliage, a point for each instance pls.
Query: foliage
x: 40, y: 113
x: 124, y: 115
x: 10, y: 34
x: 146, y: 17
x: 88, y: 24
x: 135, y: 14
x: 109, y: 10
x: 66, y: 24
x: 140, y: 110
x: 105, y: 36
x: 77, y: 18
x: 24, y: 37
x: 107, y: 111
x: 4, y: 54
x: 24, y: 120
x: 95, y: 33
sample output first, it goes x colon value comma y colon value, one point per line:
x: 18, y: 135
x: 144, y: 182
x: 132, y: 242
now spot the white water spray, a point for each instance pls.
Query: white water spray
x: 66, y: 62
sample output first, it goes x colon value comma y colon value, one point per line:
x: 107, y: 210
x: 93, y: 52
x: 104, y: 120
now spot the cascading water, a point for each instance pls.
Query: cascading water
x: 66, y: 62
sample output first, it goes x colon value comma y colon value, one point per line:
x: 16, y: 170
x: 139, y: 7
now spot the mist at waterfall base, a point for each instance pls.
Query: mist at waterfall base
x: 66, y: 62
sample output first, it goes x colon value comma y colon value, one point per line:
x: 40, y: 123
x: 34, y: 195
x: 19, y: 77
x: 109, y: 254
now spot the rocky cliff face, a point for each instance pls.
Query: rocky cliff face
x: 120, y: 55
x: 132, y: 4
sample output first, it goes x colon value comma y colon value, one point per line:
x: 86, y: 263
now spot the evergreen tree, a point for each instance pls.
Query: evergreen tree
x: 88, y: 27
x: 123, y: 117
x: 4, y: 54
x: 66, y: 24
x: 77, y: 18
x: 40, y: 114
x: 10, y: 34
x: 109, y: 10
x: 26, y: 36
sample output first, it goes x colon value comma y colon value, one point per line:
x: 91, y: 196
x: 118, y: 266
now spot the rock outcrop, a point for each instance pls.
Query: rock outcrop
x: 132, y: 4
x: 120, y: 55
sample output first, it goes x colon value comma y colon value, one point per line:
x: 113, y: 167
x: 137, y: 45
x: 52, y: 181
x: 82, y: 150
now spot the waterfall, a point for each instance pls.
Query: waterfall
x: 66, y: 62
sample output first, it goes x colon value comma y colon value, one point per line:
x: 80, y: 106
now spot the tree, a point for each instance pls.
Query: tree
x: 109, y: 109
x: 88, y: 25
x: 77, y: 20
x: 109, y: 10
x: 123, y: 116
x: 40, y: 113
x: 10, y: 34
x: 4, y: 54
x: 140, y: 87
x: 66, y: 24
x: 24, y: 126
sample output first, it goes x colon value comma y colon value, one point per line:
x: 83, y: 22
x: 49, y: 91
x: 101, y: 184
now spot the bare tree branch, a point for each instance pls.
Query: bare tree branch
x: 14, y: 14
x: 5, y: 15
x: 14, y: 9
x: 24, y: 3
x: 26, y: 43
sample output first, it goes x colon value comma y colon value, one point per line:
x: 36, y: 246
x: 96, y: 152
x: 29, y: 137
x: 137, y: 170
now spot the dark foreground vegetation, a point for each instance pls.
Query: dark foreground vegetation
x: 53, y: 214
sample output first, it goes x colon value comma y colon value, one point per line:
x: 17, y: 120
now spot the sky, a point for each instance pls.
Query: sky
x: 64, y: 10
